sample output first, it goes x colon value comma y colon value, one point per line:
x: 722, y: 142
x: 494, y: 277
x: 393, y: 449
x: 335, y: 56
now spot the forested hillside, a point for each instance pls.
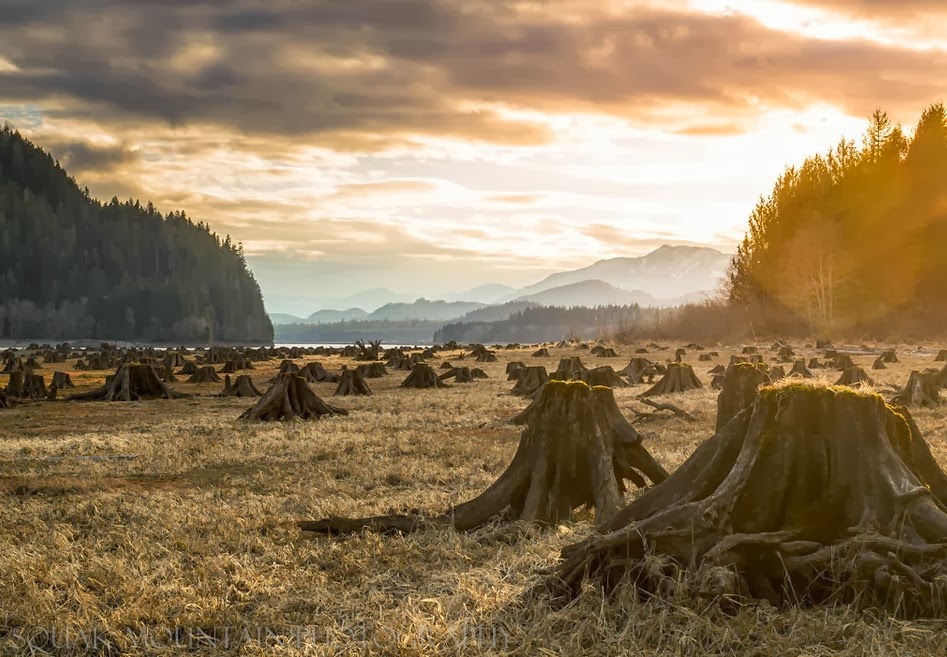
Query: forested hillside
x: 72, y: 267
x: 854, y: 241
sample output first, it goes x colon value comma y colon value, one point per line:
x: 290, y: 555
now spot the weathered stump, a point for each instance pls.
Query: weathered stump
x: 570, y: 369
x: 576, y: 451
x: 288, y: 399
x: 315, y: 372
x: 243, y: 386
x: 799, y: 369
x: 512, y: 369
x: 604, y: 376
x: 459, y: 374
x: 922, y: 390
x: 352, y: 383
x: 529, y: 380
x: 879, y: 364
x: 62, y: 380
x: 678, y: 378
x: 130, y: 383
x: 204, y: 374
x: 189, y: 368
x: 423, y: 376
x: 738, y: 390
x: 541, y: 353
x: 889, y: 356
x: 854, y: 377
x: 372, y: 370
x: 814, y: 494
x: 941, y: 356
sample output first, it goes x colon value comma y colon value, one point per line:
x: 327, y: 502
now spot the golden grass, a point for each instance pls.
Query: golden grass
x: 138, y: 520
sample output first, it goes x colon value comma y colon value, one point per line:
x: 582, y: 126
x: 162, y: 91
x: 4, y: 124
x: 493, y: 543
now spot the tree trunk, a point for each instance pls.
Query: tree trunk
x: 812, y: 495
x: 577, y: 450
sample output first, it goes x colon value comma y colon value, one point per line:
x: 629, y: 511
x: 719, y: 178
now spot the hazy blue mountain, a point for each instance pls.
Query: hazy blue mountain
x: 280, y: 319
x: 423, y: 309
x: 487, y: 293
x: 332, y: 316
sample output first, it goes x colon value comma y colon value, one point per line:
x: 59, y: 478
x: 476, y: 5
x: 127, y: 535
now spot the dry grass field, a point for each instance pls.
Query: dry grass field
x: 167, y: 527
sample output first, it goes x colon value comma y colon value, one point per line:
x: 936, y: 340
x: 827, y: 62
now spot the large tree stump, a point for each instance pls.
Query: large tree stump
x: 423, y: 376
x: 26, y: 385
x: 512, y: 370
x: 189, y: 368
x: 204, y: 374
x: 854, y: 377
x: 130, y: 383
x: 604, y: 376
x: 62, y: 380
x: 941, y: 356
x: 922, y: 390
x: 315, y: 372
x: 242, y: 387
x: 814, y: 494
x: 372, y: 370
x: 576, y: 451
x: 352, y: 383
x: 738, y: 390
x: 371, y: 351
x: 800, y: 370
x: 679, y: 377
x: 889, y: 356
x: 879, y: 364
x: 459, y: 374
x: 540, y: 353
x: 529, y: 380
x: 570, y: 369
x: 288, y: 399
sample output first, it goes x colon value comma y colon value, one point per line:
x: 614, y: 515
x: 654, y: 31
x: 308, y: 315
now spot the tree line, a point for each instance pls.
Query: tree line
x: 853, y: 241
x: 73, y: 267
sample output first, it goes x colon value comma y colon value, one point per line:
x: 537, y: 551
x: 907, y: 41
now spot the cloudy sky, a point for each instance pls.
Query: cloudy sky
x: 432, y: 145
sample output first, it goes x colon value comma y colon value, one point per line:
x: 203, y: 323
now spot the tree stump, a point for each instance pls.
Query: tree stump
x: 800, y: 370
x: 854, y: 377
x: 288, y: 367
x: 242, y: 387
x: 315, y: 373
x: 189, y: 368
x: 570, y: 369
x: 12, y: 365
x: 776, y: 373
x: 815, y: 364
x: 352, y: 383
x: 372, y: 351
x: 843, y: 362
x: 541, y: 353
x: 608, y: 352
x: 512, y: 369
x: 576, y: 451
x: 679, y: 355
x: 290, y: 398
x: 459, y: 374
x: 678, y: 378
x: 749, y: 350
x: 446, y: 365
x: 889, y: 356
x: 423, y: 376
x: 204, y: 374
x: 718, y: 369
x: 604, y: 376
x: 478, y: 373
x: 785, y: 354
x: 704, y: 358
x: 372, y: 370
x: 941, y: 356
x: 922, y: 391
x: 529, y: 380
x: 738, y: 391
x: 879, y: 364
x: 130, y: 383
x: 814, y: 494
x: 62, y: 380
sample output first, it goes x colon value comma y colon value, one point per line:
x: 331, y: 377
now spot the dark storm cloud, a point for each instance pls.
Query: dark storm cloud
x: 80, y: 157
x: 369, y: 73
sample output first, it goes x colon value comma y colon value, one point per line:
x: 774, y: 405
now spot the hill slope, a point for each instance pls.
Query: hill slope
x: 589, y: 294
x: 667, y: 272
x: 72, y: 267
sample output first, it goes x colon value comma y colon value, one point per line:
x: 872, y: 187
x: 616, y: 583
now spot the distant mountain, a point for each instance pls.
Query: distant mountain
x: 369, y: 300
x: 590, y: 294
x: 280, y: 319
x: 487, y: 293
x: 422, y: 309
x: 332, y: 316
x: 667, y: 272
